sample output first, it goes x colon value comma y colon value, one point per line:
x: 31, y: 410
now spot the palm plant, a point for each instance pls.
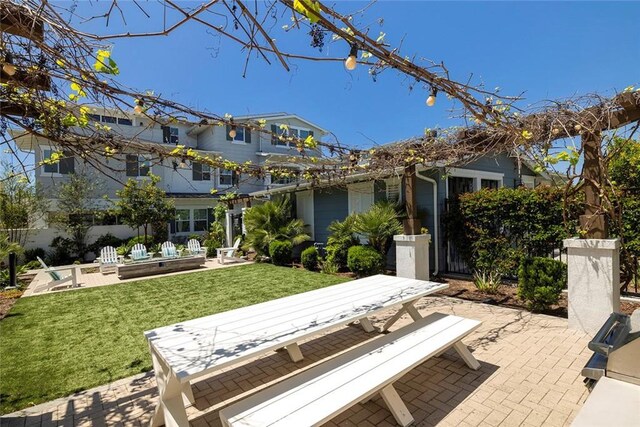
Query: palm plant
x: 379, y: 224
x: 272, y: 221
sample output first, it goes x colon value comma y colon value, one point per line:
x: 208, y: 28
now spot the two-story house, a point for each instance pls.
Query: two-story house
x: 189, y: 184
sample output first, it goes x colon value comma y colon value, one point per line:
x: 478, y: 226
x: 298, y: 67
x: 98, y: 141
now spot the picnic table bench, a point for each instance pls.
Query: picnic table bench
x: 319, y: 394
x: 189, y: 350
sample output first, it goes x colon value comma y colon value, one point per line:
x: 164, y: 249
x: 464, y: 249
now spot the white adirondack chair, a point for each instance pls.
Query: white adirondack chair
x: 57, y: 279
x: 139, y: 252
x: 195, y: 249
x: 109, y: 259
x: 169, y: 250
x: 228, y: 253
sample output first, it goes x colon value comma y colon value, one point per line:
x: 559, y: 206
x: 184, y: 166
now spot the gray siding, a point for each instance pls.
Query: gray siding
x: 329, y: 205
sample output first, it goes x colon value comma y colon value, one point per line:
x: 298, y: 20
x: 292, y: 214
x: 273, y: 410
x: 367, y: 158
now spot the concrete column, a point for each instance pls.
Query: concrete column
x: 412, y: 256
x: 593, y: 283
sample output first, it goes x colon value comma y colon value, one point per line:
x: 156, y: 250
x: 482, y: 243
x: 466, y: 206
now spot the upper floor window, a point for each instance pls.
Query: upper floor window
x: 137, y: 165
x: 126, y: 122
x: 201, y: 172
x: 64, y: 166
x: 109, y: 119
x: 280, y: 135
x: 283, y: 176
x: 227, y: 177
x: 238, y: 134
x: 170, y: 135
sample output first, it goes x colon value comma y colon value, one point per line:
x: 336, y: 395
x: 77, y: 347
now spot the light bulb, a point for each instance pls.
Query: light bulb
x: 137, y: 109
x: 577, y: 128
x: 555, y: 131
x: 183, y: 165
x: 431, y: 100
x: 232, y: 133
x: 9, y: 68
x: 350, y: 63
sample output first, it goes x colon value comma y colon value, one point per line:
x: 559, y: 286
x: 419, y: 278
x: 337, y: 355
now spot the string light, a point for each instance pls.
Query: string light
x: 183, y: 164
x: 232, y: 132
x: 431, y: 100
x: 8, y: 66
x: 138, y: 109
x: 351, y: 62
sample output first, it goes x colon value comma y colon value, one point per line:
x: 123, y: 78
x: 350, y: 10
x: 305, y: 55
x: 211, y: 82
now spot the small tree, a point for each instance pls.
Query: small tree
x: 76, y: 207
x: 142, y: 203
x: 379, y: 224
x: 22, y: 205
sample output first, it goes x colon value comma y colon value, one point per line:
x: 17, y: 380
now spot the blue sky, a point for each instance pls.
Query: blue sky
x: 548, y: 50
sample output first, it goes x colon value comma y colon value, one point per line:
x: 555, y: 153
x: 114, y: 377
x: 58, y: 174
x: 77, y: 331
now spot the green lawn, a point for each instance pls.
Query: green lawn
x: 56, y: 344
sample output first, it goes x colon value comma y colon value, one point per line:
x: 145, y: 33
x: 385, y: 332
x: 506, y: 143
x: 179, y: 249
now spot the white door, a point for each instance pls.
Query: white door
x: 360, y: 197
x: 304, y: 210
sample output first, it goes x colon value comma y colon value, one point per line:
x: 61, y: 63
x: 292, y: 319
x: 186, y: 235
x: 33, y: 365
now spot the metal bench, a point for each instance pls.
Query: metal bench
x: 320, y: 393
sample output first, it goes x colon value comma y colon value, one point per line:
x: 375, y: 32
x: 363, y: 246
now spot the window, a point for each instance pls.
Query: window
x: 528, y: 181
x: 94, y: 117
x: 239, y: 134
x: 170, y: 135
x: 360, y: 197
x: 137, y: 165
x: 293, y: 132
x: 284, y: 176
x: 491, y: 184
x: 226, y: 177
x: 108, y: 119
x: 201, y: 172
x: 183, y: 220
x: 200, y: 220
x: 393, y: 190
x: 65, y: 166
x: 126, y: 122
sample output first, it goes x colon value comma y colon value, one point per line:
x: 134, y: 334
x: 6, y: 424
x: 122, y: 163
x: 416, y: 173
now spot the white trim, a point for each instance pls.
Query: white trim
x: 394, y: 181
x: 477, y: 176
x: 311, y: 206
x: 528, y: 181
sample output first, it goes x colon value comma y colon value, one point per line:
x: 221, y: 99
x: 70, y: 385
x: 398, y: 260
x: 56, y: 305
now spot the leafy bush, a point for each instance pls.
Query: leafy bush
x: 107, y: 239
x: 215, y: 238
x: 342, y: 237
x: 540, y: 281
x: 365, y: 261
x: 61, y: 253
x: 134, y: 241
x: 4, y: 276
x: 280, y: 252
x: 487, y: 281
x: 309, y: 258
x: 379, y: 224
x: 33, y: 254
x: 33, y: 265
x: 495, y: 229
x: 272, y: 221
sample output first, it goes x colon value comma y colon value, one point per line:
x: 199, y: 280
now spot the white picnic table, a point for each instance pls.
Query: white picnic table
x: 188, y: 350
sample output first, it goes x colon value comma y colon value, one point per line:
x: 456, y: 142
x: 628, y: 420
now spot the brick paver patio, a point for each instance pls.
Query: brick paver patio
x: 530, y: 376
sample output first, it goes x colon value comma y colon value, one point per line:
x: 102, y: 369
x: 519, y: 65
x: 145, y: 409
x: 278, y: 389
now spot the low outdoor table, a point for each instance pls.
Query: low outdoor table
x: 188, y: 350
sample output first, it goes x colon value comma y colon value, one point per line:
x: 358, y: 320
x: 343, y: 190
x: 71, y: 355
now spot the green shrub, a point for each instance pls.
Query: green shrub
x: 33, y: 254
x: 309, y: 258
x: 215, y: 238
x: 365, y: 261
x: 540, y: 281
x: 495, y: 229
x: 487, y: 281
x: 61, y: 253
x: 342, y: 237
x: 33, y: 265
x: 379, y: 224
x: 280, y: 252
x: 107, y: 239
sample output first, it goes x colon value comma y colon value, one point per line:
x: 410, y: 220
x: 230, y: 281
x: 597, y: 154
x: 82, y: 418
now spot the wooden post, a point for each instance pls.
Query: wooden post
x: 412, y: 223
x: 593, y: 222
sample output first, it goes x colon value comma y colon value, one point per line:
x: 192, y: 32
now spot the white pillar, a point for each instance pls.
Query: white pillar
x: 412, y: 256
x: 593, y: 282
x: 229, y: 228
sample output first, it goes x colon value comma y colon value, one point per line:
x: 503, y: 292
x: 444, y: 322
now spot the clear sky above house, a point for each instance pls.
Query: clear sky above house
x: 548, y: 50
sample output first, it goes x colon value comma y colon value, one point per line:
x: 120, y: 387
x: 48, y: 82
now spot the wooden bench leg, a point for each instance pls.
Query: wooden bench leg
x: 396, y: 405
x: 466, y: 355
x: 294, y: 352
x: 406, y: 308
x: 366, y: 324
x: 170, y: 409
